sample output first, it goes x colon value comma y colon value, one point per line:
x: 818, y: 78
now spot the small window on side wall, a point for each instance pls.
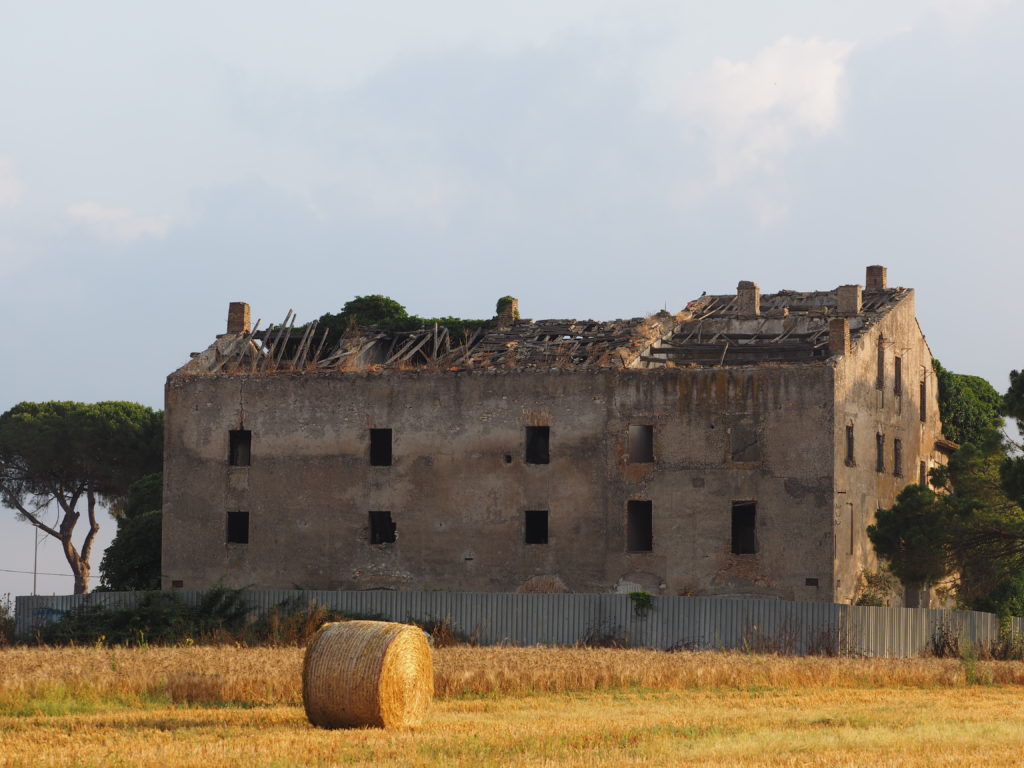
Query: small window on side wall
x: 237, y: 528
x: 536, y: 526
x: 850, y: 462
x: 239, y: 447
x: 744, y: 527
x: 538, y: 445
x: 382, y: 528
x: 639, y: 526
x: 641, y: 444
x: 380, y: 447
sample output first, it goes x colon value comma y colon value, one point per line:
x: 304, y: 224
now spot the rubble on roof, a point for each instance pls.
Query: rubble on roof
x: 745, y: 328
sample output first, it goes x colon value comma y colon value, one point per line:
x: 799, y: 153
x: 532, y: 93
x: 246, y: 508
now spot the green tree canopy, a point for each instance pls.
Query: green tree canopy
x: 132, y: 561
x: 386, y: 313
x: 969, y: 406
x: 912, y: 537
x: 67, y: 454
x: 971, y: 531
x: 145, y: 495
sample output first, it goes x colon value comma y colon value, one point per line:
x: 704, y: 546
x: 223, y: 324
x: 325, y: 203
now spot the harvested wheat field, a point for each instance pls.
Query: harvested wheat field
x: 219, y: 706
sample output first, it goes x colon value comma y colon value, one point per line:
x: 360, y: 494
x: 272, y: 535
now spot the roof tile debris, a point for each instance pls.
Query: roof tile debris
x: 787, y: 327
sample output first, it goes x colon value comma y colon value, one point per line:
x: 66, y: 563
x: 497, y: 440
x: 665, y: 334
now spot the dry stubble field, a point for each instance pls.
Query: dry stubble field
x: 222, y: 706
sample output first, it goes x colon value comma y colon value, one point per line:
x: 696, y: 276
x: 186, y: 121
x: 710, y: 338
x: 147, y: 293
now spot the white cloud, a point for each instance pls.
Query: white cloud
x: 122, y: 224
x: 11, y: 187
x: 754, y: 112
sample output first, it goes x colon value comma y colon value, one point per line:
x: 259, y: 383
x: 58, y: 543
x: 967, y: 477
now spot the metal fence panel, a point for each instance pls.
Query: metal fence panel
x: 569, y: 619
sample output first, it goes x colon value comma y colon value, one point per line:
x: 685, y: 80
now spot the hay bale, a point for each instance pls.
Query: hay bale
x: 367, y: 673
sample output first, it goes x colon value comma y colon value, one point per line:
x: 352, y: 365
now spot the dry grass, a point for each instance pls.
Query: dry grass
x: 177, y: 707
x: 272, y: 676
x: 981, y: 725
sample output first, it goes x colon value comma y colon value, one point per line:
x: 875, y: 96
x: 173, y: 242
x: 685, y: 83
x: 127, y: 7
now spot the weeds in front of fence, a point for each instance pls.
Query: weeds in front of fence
x: 222, y: 617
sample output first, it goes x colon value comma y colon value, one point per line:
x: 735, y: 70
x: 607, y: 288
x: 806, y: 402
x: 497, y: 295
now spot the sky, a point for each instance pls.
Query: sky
x: 597, y: 159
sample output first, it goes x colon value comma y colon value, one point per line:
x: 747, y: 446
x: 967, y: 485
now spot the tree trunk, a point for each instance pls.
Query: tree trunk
x: 79, y: 566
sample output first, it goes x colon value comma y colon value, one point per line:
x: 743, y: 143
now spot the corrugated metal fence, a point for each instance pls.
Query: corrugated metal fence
x: 665, y: 623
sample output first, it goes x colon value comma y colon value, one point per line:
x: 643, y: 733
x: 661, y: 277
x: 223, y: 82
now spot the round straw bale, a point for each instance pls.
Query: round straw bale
x: 367, y: 673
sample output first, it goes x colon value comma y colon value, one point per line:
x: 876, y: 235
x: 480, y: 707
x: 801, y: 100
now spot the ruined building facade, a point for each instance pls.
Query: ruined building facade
x: 739, y: 447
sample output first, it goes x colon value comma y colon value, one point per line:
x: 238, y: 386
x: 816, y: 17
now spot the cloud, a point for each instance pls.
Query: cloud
x: 121, y: 224
x: 11, y: 187
x: 754, y: 112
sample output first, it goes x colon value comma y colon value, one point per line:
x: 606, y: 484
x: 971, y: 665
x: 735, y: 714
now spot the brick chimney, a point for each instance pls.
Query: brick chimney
x: 839, y: 336
x: 848, y: 300
x: 749, y: 295
x: 876, y: 279
x: 508, y: 314
x: 238, y: 317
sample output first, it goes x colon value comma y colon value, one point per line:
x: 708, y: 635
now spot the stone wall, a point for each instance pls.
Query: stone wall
x: 459, y: 486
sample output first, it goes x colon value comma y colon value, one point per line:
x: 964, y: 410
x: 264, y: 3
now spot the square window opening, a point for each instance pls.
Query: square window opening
x: 744, y: 527
x: 641, y: 444
x: 382, y: 528
x: 240, y: 447
x: 237, y: 528
x: 639, y: 526
x: 380, y: 447
x: 538, y: 445
x: 536, y: 530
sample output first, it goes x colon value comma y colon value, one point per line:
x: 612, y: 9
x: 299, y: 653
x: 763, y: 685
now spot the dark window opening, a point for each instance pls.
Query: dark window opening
x: 238, y: 528
x: 639, y: 527
x: 744, y: 527
x: 240, y: 447
x: 880, y: 377
x: 849, y: 446
x: 744, y: 443
x: 879, y: 452
x: 897, y: 383
x: 536, y: 526
x: 922, y: 474
x: 508, y: 458
x: 810, y: 582
x: 641, y: 444
x: 382, y: 528
x: 380, y: 447
x: 897, y: 457
x: 177, y: 584
x: 538, y: 441
x: 924, y: 401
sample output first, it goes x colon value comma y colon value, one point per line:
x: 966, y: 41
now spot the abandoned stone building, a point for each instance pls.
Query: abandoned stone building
x: 738, y: 447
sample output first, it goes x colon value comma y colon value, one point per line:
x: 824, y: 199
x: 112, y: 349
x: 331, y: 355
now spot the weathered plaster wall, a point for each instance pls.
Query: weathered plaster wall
x: 459, y: 486
x: 860, y: 488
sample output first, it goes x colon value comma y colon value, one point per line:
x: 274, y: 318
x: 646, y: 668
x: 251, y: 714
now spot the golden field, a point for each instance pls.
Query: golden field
x: 227, y: 706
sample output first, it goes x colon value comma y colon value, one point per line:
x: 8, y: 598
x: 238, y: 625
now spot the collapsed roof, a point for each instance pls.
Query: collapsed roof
x: 744, y: 328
